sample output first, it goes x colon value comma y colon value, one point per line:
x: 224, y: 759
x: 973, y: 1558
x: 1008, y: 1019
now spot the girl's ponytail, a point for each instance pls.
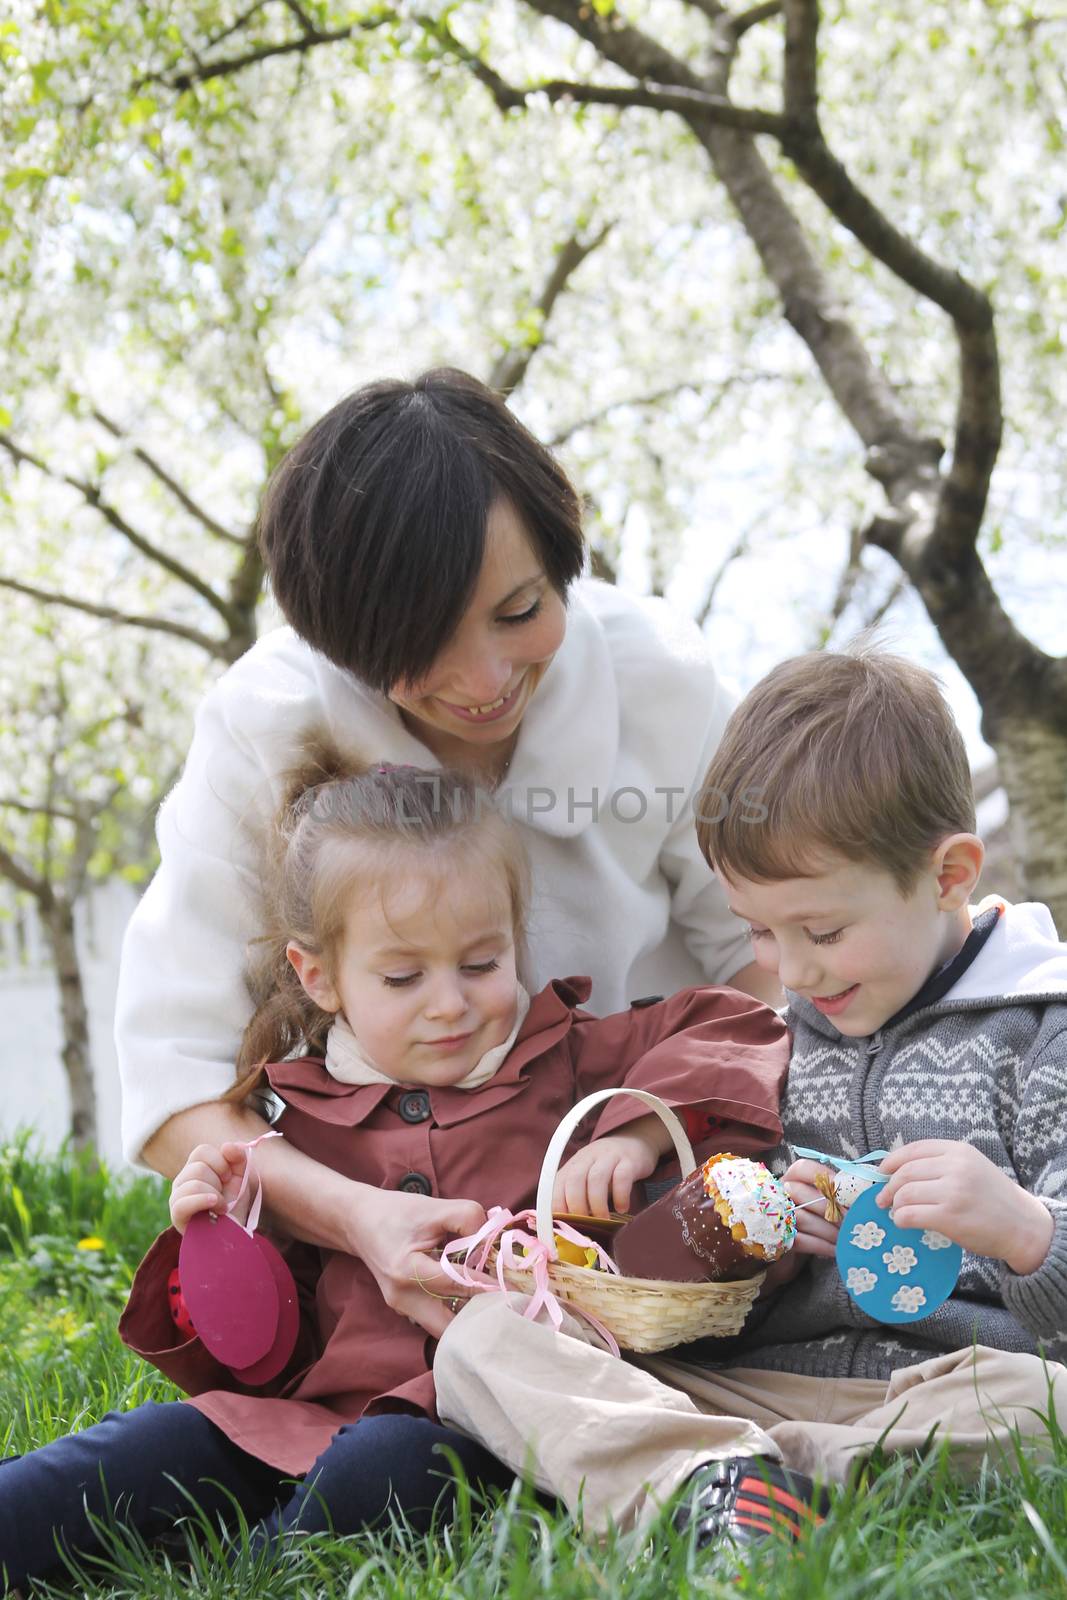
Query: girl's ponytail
x: 285, y: 1018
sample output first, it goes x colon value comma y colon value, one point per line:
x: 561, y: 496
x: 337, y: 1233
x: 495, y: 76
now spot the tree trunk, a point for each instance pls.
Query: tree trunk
x: 1033, y: 763
x: 59, y: 923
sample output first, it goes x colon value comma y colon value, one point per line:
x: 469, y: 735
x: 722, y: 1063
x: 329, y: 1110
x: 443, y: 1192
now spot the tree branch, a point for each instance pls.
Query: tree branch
x: 687, y: 99
x: 158, y: 471
x: 653, y: 96
x: 227, y: 66
x: 689, y: 103
x: 92, y: 497
x: 805, y: 144
x: 237, y: 24
x: 976, y: 445
x: 846, y: 584
x: 26, y: 809
x: 643, y: 57
x: 986, y: 781
x: 84, y: 844
x: 644, y: 401
x: 511, y: 366
x: 735, y: 552
x: 301, y: 15
x: 885, y: 605
x: 742, y: 21
x: 219, y: 648
x: 800, y: 81
x: 21, y: 877
x: 709, y: 8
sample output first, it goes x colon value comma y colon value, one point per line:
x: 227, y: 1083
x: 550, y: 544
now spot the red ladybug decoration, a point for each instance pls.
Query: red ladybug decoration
x: 179, y: 1311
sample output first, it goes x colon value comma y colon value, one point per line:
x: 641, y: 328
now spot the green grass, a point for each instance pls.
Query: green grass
x: 907, y: 1533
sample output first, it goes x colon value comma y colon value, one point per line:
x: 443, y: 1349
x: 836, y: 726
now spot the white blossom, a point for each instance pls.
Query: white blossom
x: 867, y: 1235
x: 860, y: 1280
x: 900, y: 1259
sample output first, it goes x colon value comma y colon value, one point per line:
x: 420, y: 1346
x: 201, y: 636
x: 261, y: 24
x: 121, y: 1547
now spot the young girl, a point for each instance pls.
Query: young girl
x: 393, y: 966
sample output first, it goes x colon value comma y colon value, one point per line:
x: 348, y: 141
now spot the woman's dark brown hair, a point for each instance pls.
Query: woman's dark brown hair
x: 373, y: 526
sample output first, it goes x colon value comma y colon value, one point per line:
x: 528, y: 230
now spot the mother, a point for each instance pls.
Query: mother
x: 426, y: 551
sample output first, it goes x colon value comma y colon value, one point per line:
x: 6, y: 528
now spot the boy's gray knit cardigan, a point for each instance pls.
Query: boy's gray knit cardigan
x: 987, y: 1064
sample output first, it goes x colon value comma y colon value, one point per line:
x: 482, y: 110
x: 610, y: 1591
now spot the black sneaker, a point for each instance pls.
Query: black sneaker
x: 745, y: 1499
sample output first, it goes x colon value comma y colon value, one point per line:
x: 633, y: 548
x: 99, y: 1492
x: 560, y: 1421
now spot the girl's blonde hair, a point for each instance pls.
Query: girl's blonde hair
x: 402, y: 817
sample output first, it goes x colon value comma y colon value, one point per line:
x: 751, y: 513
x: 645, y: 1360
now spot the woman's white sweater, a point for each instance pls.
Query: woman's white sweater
x: 609, y: 754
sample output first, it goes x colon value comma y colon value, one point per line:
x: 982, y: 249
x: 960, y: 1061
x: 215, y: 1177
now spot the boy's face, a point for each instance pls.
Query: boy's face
x: 849, y: 940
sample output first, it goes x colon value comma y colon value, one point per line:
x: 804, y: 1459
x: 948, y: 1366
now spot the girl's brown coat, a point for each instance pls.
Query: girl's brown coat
x: 717, y: 1055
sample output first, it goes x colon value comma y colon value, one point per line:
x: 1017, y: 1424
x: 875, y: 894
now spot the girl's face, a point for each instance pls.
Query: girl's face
x: 479, y: 686
x: 425, y: 974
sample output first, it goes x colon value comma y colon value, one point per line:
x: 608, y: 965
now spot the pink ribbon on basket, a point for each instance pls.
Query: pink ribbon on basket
x: 520, y: 1250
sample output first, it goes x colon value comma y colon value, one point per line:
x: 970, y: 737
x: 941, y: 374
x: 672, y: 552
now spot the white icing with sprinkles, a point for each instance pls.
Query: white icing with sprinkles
x: 755, y: 1198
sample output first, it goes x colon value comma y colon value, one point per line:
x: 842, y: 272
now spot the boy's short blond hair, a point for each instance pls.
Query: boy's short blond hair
x: 853, y: 754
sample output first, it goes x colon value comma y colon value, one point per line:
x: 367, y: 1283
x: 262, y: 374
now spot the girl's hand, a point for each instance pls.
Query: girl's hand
x: 954, y: 1189
x: 209, y: 1181
x: 602, y: 1175
x: 815, y: 1236
x: 396, y: 1234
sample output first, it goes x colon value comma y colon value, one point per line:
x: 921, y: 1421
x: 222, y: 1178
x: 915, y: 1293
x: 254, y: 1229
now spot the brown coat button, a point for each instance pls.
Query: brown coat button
x: 415, y: 1183
x: 414, y: 1106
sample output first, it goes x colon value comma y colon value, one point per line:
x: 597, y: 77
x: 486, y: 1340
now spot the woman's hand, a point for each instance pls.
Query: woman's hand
x: 602, y: 1175
x: 954, y: 1189
x: 815, y: 1236
x: 209, y: 1181
x: 396, y: 1235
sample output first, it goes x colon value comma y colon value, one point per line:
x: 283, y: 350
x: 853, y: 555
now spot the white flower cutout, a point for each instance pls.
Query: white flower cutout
x: 860, y: 1280
x: 934, y: 1240
x: 867, y: 1235
x: 909, y: 1299
x: 900, y: 1259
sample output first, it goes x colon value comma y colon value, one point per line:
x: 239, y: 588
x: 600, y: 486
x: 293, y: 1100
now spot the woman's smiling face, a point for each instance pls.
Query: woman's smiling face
x: 481, y: 683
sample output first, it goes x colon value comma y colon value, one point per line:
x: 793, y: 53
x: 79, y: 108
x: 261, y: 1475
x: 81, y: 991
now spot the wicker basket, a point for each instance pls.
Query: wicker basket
x: 644, y: 1314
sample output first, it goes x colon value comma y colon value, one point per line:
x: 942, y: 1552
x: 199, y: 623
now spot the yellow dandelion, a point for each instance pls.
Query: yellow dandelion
x: 91, y: 1243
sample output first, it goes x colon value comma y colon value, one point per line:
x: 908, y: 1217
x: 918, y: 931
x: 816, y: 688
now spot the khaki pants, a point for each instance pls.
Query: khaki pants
x: 618, y: 1437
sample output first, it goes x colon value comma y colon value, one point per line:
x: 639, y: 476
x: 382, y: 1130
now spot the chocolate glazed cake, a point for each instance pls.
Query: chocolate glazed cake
x: 727, y: 1220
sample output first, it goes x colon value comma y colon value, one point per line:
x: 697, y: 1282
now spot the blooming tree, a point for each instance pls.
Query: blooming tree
x: 765, y: 274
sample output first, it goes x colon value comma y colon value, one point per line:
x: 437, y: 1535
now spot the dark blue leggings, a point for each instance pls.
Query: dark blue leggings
x: 381, y: 1463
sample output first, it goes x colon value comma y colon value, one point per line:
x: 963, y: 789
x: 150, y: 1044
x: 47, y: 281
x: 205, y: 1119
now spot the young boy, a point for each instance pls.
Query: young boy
x: 839, y: 815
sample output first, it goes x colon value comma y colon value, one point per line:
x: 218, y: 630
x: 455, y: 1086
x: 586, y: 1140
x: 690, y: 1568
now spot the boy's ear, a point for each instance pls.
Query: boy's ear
x: 958, y: 866
x: 313, y: 979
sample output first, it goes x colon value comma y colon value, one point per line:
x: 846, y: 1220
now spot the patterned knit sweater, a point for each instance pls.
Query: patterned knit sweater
x: 987, y: 1064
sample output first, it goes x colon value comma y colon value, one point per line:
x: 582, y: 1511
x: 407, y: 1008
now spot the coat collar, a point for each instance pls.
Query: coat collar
x: 305, y: 1084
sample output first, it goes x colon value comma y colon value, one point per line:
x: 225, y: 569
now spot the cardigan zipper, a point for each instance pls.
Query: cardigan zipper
x: 872, y: 1045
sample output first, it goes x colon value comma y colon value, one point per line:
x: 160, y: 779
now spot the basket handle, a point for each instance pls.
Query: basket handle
x: 560, y: 1139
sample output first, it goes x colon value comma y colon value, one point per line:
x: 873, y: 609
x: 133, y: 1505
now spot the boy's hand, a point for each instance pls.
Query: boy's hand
x: 601, y: 1177
x: 209, y: 1181
x: 815, y: 1236
x: 953, y: 1188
